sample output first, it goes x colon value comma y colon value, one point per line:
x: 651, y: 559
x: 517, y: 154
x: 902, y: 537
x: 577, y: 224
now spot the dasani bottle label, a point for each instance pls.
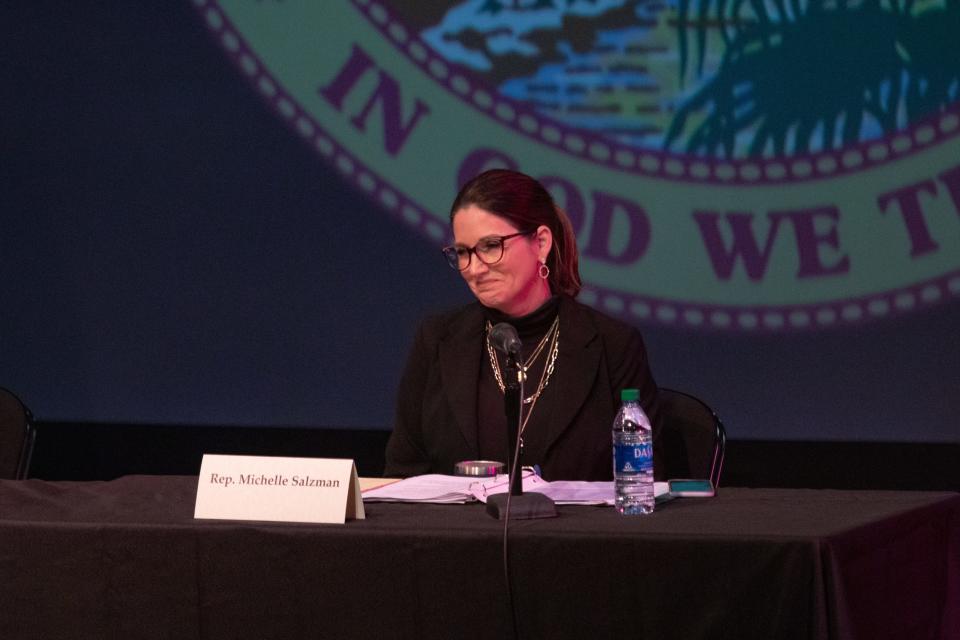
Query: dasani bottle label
x: 633, y: 458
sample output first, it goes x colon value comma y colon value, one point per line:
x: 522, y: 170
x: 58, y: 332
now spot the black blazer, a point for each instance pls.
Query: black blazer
x: 569, y: 434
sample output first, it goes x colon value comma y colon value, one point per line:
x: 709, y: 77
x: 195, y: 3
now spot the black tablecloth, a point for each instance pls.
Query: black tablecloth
x: 126, y: 559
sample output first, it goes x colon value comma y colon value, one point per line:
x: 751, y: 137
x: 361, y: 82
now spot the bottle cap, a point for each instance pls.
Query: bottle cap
x: 629, y: 395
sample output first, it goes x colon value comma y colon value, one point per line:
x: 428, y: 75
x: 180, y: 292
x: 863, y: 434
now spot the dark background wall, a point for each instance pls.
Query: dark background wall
x: 172, y: 255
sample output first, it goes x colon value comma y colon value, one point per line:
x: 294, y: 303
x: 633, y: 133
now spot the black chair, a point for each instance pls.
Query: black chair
x: 692, y: 438
x: 17, y: 435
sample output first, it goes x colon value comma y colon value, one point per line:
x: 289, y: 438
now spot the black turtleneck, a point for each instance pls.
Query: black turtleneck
x: 491, y: 419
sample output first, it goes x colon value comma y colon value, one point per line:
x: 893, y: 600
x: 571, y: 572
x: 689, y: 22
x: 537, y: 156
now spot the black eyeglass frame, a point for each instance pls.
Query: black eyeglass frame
x: 453, y: 257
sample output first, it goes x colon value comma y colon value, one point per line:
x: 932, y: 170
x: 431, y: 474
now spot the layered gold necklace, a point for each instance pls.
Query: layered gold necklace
x: 551, y: 338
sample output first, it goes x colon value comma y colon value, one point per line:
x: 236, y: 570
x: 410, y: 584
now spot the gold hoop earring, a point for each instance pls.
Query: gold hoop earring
x: 544, y: 270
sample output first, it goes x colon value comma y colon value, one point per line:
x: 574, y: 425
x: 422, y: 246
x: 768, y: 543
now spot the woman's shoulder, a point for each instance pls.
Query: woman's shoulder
x: 435, y: 326
x: 607, y: 326
x: 623, y: 344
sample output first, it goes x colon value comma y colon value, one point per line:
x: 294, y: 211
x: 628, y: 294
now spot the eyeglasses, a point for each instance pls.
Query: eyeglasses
x: 489, y: 251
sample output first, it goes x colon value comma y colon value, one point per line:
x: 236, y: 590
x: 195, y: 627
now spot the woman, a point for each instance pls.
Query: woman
x: 517, y: 252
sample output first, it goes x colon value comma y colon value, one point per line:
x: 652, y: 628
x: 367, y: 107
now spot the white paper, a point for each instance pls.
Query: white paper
x: 579, y: 492
x: 432, y: 488
x: 482, y: 489
x: 443, y: 489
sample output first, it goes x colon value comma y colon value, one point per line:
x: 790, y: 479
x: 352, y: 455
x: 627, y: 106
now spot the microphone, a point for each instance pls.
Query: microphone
x: 514, y: 503
x: 505, y: 339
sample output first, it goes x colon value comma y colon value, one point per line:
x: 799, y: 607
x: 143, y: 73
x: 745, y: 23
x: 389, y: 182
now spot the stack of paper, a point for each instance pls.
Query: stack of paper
x: 431, y: 488
x: 441, y: 489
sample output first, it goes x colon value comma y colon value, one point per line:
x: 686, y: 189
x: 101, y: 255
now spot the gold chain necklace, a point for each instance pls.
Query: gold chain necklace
x: 553, y: 337
x: 530, y: 359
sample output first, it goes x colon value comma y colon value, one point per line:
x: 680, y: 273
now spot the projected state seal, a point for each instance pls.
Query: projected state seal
x: 731, y: 166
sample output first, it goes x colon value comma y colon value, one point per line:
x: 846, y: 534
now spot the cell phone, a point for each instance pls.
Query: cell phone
x: 689, y: 488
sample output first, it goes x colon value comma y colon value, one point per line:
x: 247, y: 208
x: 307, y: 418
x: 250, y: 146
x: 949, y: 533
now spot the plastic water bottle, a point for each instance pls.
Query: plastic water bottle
x: 632, y: 457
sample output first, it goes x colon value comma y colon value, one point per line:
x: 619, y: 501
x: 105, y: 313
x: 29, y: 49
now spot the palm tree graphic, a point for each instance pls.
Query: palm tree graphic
x: 804, y: 76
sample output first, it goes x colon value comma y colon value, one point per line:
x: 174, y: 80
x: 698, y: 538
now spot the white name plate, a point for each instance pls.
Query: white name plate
x: 278, y: 489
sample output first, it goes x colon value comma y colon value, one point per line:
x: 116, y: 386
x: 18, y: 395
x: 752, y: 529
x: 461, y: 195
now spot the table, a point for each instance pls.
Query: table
x: 126, y: 559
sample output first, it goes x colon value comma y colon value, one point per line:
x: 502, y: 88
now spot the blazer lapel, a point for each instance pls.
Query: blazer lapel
x: 460, y: 352
x: 576, y: 368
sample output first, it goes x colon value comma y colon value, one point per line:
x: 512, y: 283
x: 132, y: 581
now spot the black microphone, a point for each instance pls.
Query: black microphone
x: 514, y: 503
x: 505, y: 339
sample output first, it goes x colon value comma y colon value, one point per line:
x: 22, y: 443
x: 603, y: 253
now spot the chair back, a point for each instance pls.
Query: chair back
x: 17, y: 435
x: 693, y: 438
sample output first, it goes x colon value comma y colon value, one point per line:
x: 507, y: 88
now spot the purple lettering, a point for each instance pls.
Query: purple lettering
x: 951, y: 179
x: 358, y: 64
x: 605, y: 206
x: 387, y: 95
x: 570, y: 201
x: 479, y: 160
x: 809, y: 240
x: 744, y: 244
x: 908, y: 199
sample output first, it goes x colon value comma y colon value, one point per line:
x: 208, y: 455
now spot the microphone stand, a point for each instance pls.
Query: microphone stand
x: 516, y: 504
